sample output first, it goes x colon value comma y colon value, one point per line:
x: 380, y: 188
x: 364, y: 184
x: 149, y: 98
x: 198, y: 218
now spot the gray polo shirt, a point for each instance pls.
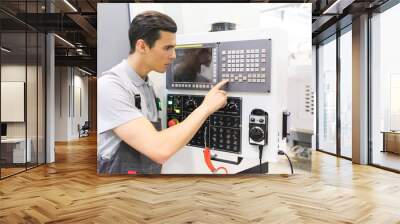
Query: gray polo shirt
x: 116, y: 105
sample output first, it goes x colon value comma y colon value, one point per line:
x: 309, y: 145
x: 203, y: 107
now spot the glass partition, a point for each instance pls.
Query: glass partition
x: 14, y: 154
x: 22, y: 100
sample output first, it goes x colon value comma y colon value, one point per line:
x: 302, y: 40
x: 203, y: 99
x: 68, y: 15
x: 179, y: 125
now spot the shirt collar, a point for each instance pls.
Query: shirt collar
x: 133, y: 76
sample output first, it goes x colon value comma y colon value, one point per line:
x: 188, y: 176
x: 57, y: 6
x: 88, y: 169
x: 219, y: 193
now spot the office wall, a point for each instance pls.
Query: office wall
x: 15, y: 72
x: 117, y: 47
x: 71, y: 102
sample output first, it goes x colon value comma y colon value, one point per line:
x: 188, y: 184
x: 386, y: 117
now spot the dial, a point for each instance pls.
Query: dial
x: 232, y: 107
x: 191, y: 104
x: 256, y: 134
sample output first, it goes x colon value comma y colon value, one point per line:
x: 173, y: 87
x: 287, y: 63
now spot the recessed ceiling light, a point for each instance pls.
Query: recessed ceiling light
x: 64, y: 40
x: 70, y: 5
x: 5, y: 50
x: 86, y: 72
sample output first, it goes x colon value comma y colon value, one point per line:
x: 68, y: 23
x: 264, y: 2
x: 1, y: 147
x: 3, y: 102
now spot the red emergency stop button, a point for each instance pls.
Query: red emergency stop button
x: 173, y: 122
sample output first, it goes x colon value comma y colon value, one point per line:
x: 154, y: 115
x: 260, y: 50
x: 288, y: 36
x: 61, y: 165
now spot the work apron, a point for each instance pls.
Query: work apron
x: 128, y: 160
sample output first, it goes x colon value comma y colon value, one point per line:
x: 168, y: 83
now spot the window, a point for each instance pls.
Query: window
x: 346, y: 93
x: 385, y: 89
x: 327, y: 96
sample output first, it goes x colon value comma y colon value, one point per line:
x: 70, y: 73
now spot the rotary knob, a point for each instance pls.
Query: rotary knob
x: 232, y: 107
x: 256, y: 134
x: 191, y: 104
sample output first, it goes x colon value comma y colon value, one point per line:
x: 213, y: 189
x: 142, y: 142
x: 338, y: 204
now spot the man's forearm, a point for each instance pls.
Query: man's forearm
x: 174, y: 138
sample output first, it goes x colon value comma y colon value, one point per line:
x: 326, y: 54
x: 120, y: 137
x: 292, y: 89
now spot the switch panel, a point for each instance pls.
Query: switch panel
x: 223, y: 127
x: 246, y: 64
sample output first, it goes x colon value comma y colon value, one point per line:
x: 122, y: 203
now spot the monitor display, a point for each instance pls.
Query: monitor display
x: 193, y: 65
x: 3, y: 129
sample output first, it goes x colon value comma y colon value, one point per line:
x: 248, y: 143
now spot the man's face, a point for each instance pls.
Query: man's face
x: 162, y: 54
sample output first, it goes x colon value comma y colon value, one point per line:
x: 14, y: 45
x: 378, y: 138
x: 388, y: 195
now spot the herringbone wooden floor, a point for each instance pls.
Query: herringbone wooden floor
x: 70, y: 191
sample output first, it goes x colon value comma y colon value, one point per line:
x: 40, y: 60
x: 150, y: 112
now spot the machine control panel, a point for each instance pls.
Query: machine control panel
x: 246, y: 64
x: 223, y: 128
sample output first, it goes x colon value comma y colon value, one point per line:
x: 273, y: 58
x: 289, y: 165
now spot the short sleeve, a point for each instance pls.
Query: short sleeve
x: 116, y: 104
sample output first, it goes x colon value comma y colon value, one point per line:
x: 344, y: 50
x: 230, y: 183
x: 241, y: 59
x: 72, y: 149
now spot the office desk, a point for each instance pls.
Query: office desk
x: 391, y: 141
x: 13, y: 150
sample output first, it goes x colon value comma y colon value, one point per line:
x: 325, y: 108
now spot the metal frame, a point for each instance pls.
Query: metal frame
x: 340, y: 31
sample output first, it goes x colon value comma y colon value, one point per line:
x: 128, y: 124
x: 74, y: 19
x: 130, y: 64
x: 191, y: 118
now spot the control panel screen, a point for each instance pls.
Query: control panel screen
x: 193, y: 65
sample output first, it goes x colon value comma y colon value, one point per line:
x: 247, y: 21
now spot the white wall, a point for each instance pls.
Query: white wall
x: 117, y: 47
x: 71, y: 94
x: 255, y: 15
x: 12, y: 73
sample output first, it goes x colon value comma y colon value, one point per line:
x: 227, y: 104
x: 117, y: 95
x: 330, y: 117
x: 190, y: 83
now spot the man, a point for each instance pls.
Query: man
x: 128, y: 141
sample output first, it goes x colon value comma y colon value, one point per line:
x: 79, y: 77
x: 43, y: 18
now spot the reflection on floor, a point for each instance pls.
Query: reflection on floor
x: 387, y: 159
x: 11, y: 169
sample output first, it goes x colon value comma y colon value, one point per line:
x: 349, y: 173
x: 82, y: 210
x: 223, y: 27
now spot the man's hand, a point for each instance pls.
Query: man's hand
x: 215, y: 98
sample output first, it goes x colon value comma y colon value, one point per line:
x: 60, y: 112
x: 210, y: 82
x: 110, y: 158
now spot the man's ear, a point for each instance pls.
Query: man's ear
x: 141, y: 45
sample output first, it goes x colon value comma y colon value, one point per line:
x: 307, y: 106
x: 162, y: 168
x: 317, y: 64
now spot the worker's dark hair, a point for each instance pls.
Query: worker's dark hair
x: 147, y: 26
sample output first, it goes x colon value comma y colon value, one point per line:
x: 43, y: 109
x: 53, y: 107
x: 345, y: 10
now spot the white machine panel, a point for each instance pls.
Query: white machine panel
x: 190, y: 160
